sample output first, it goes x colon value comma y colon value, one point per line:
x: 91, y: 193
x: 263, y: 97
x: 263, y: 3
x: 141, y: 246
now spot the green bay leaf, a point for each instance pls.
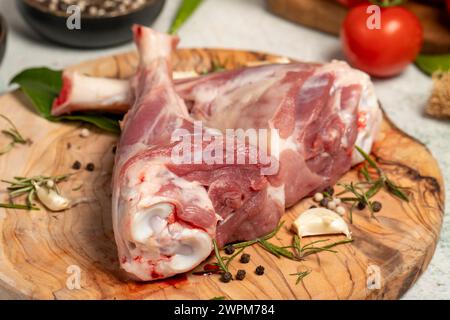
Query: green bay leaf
x: 41, y: 85
x: 103, y: 122
x: 433, y: 63
x: 186, y: 9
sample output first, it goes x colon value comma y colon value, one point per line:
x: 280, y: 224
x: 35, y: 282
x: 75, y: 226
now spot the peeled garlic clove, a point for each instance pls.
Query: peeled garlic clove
x: 320, y: 221
x: 51, y: 199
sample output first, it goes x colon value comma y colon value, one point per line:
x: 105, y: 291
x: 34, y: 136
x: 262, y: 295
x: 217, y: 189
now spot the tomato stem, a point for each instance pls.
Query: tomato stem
x: 387, y: 3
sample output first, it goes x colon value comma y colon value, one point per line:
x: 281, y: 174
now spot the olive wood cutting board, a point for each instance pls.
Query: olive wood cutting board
x: 40, y: 249
x: 328, y: 15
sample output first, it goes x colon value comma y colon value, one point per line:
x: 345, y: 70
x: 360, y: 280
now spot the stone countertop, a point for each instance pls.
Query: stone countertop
x: 247, y: 25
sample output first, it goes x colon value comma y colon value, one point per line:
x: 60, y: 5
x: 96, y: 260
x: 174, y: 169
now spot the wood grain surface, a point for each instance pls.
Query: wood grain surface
x: 328, y: 15
x: 38, y: 247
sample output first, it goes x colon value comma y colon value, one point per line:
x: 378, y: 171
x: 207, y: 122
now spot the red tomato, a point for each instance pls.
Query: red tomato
x: 351, y: 3
x: 386, y: 51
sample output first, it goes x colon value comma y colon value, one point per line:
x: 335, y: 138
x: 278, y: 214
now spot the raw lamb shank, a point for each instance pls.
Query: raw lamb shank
x: 166, y: 213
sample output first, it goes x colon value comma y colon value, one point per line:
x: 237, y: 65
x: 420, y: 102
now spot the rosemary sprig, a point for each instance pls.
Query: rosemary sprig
x: 303, y: 251
x: 365, y: 172
x: 297, y: 252
x: 27, y: 186
x: 17, y: 206
x: 359, y: 196
x: 395, y: 190
x: 229, y: 259
x: 270, y: 247
x: 369, y: 160
x: 383, y: 179
x: 308, y: 250
x: 266, y: 237
x: 276, y: 250
x: 363, y: 191
x: 224, y: 262
x: 300, y: 275
x: 13, y: 134
x: 220, y: 262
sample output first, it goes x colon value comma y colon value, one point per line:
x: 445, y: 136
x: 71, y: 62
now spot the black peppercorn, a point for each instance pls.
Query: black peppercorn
x: 324, y: 202
x: 226, y: 277
x: 259, y: 270
x: 240, y: 275
x: 245, y: 258
x: 361, y: 205
x: 329, y: 191
x: 376, y: 206
x: 313, y: 207
x: 90, y: 167
x: 76, y: 165
x: 114, y: 149
x: 229, y: 249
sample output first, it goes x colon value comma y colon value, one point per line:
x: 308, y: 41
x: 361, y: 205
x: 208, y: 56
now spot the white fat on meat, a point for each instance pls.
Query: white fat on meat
x: 277, y: 194
x: 370, y: 115
x: 369, y: 112
x: 156, y: 245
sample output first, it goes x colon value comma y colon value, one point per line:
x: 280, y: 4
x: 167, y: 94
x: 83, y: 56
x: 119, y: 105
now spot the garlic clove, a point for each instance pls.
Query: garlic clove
x: 51, y: 199
x: 320, y: 221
